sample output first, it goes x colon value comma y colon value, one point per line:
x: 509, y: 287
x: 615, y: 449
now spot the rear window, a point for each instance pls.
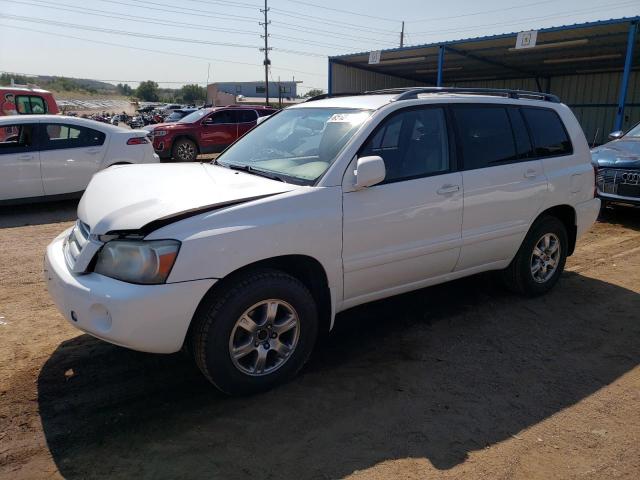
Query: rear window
x: 30, y: 104
x: 485, y: 134
x: 549, y: 135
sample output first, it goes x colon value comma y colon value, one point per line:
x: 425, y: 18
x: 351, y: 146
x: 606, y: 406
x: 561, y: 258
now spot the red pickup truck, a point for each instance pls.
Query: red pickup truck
x: 208, y: 130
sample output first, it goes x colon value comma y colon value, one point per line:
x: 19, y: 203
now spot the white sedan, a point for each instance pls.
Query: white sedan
x: 46, y: 157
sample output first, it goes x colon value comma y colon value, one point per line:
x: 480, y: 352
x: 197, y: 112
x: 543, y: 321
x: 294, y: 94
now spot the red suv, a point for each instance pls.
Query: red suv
x: 208, y: 130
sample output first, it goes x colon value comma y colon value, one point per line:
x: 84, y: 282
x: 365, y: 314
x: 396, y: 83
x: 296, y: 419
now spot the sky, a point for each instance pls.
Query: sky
x: 174, y: 42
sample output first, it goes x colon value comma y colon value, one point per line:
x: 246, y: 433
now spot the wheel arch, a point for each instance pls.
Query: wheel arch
x: 303, y: 267
x: 567, y: 215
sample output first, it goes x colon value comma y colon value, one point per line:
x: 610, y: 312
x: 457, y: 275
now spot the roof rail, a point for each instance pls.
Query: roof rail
x: 332, y: 95
x: 412, y: 93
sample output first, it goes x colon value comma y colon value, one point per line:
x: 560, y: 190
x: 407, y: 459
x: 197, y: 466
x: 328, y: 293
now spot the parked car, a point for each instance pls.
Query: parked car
x: 136, y: 122
x: 207, y: 130
x: 328, y: 205
x: 51, y: 156
x: 179, y: 114
x: 618, y: 168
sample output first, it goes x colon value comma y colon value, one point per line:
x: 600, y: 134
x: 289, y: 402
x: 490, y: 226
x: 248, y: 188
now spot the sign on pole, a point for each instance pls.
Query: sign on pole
x: 374, y: 57
x: 526, y: 39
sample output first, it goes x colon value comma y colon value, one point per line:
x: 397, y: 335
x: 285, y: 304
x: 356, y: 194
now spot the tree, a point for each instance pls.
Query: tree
x: 147, y: 91
x: 313, y: 92
x: 124, y: 89
x: 192, y: 93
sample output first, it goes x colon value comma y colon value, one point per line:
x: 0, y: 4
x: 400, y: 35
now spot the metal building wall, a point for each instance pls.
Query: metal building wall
x: 346, y: 79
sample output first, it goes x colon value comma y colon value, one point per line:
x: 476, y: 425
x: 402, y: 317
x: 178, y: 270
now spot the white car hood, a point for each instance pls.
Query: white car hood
x: 130, y: 197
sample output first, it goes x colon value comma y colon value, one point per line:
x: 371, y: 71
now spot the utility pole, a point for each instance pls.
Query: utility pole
x: 266, y: 49
x: 402, y: 35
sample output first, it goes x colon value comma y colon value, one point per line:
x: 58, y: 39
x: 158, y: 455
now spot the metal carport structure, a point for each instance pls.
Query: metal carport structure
x: 593, y: 67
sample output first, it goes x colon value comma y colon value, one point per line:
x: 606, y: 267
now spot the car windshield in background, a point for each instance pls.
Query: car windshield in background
x: 194, y: 117
x: 634, y: 132
x: 299, y: 143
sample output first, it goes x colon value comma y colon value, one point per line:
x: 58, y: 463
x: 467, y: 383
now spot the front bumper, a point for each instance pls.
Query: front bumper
x: 611, y: 198
x: 149, y: 318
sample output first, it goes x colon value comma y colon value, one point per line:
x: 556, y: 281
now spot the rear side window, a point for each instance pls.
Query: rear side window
x: 265, y: 112
x: 57, y: 136
x: 16, y: 138
x: 485, y: 135
x: 549, y: 135
x: 520, y: 135
x: 30, y: 104
x: 246, y: 116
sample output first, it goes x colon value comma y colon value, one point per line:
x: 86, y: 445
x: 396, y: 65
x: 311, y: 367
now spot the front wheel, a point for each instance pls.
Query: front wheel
x: 185, y: 150
x: 540, y: 259
x: 256, y: 333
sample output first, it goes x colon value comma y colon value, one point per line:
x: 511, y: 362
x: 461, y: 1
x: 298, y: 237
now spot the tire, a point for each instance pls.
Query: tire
x: 519, y: 276
x: 220, y: 326
x: 185, y: 150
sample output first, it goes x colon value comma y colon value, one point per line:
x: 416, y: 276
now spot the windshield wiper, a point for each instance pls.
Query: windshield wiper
x: 255, y: 171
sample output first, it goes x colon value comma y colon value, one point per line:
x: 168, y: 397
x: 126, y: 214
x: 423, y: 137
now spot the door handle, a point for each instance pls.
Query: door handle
x: 530, y: 173
x: 446, y: 189
x: 25, y: 157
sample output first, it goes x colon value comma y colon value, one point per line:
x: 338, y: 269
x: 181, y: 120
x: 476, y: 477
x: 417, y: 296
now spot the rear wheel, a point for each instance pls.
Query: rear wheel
x: 540, y: 259
x: 185, y: 150
x: 256, y: 333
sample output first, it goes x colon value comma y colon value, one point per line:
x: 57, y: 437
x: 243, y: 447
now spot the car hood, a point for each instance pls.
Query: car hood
x: 618, y: 154
x: 171, y: 125
x: 146, y: 197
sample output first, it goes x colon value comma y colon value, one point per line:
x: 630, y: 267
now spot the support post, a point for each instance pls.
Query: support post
x: 440, y: 65
x: 402, y: 35
x: 267, y: 62
x: 624, y: 85
x: 330, y: 79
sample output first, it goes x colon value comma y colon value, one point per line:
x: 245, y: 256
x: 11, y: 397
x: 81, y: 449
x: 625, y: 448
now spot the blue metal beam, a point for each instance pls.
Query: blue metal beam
x: 631, y: 40
x: 440, y: 65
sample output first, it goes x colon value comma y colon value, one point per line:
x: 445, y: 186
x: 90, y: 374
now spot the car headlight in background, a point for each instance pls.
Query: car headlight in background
x: 137, y: 261
x: 159, y: 133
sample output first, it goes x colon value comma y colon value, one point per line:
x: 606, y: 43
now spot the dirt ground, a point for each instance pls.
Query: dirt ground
x: 457, y: 381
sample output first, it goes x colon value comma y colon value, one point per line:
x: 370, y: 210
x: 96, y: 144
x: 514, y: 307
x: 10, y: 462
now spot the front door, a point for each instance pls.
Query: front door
x: 19, y: 162
x: 406, y: 230
x: 219, y: 130
x: 70, y: 155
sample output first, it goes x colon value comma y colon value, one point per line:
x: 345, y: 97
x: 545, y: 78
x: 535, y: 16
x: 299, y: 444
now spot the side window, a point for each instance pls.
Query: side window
x: 30, y: 104
x: 521, y: 135
x: 246, y: 116
x: 549, y: 136
x: 58, y: 136
x: 485, y: 134
x: 225, y: 116
x: 265, y: 112
x: 412, y: 143
x: 16, y: 138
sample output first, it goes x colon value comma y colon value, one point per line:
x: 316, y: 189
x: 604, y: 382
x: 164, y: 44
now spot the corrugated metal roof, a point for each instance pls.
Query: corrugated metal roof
x: 596, y: 23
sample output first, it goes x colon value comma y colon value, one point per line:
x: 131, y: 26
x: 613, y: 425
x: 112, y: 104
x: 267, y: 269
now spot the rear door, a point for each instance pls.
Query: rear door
x: 246, y: 120
x: 218, y: 130
x: 504, y: 184
x: 70, y: 155
x: 19, y: 162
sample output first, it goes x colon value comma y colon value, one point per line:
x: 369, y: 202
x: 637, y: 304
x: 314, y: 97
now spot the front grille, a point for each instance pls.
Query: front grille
x: 613, y: 181
x: 76, y: 242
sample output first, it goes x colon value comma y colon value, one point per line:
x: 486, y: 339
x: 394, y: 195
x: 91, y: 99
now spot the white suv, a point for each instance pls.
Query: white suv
x: 324, y: 206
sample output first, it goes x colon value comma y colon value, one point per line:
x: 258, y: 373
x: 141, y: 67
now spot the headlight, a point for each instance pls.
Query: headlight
x: 137, y: 261
x: 159, y: 133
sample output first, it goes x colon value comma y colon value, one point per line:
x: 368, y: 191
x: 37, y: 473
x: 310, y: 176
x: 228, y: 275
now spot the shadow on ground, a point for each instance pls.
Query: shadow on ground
x: 38, y: 213
x: 624, y: 216
x: 433, y: 374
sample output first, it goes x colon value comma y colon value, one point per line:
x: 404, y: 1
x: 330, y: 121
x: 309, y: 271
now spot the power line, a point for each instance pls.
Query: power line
x: 187, y: 82
x: 195, y: 13
x: 524, y: 20
x: 162, y: 52
x: 350, y: 12
x: 481, y: 12
x: 334, y: 23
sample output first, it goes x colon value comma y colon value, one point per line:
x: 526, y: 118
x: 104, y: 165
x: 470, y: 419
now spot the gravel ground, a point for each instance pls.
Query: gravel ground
x: 457, y: 381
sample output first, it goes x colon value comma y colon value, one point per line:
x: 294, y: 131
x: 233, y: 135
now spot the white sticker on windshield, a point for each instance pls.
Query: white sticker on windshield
x: 358, y: 117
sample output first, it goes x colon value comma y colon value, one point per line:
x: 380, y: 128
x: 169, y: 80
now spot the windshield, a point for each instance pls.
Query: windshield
x: 194, y: 117
x: 634, y: 132
x: 298, y: 143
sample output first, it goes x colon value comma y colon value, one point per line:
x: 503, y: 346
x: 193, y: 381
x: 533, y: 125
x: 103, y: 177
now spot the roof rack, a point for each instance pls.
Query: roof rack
x: 412, y: 93
x: 322, y: 96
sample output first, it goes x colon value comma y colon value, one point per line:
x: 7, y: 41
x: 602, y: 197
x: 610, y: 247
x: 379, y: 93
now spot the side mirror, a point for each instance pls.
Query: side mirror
x: 616, y: 135
x: 369, y: 171
x: 207, y: 121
